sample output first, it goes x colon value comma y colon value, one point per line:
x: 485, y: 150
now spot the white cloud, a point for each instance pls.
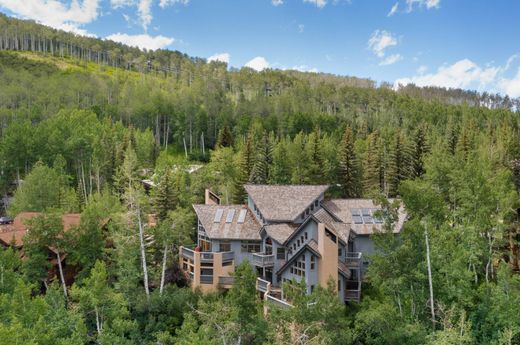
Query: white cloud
x: 380, y: 41
x: 121, y: 3
x: 301, y: 28
x: 258, y: 63
x: 511, y: 87
x: 429, y: 4
x: 222, y: 57
x: 142, y: 41
x: 462, y: 74
x: 144, y: 10
x: 422, y: 69
x: 304, y: 68
x: 277, y: 2
x: 393, y: 10
x: 317, y: 3
x: 55, y: 13
x: 391, y: 59
x: 165, y: 3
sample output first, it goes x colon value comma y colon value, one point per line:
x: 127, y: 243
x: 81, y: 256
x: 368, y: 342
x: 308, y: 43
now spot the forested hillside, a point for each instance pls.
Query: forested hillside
x: 83, y: 121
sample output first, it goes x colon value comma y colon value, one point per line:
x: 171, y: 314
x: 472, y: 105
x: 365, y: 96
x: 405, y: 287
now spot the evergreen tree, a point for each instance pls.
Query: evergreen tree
x: 316, y: 162
x: 225, y: 137
x: 262, y: 168
x: 397, y: 165
x: 373, y: 173
x: 349, y: 166
x: 246, y: 164
x: 419, y: 149
x: 165, y: 198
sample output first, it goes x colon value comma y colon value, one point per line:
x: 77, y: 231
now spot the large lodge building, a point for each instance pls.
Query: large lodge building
x: 287, y: 233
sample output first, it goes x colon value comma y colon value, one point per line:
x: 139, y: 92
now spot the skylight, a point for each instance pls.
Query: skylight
x: 218, y: 215
x: 242, y: 216
x: 365, y: 216
x: 230, y: 215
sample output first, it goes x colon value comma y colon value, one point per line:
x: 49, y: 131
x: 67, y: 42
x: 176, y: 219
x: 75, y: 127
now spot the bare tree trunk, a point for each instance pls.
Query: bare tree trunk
x: 143, y: 253
x: 163, y: 271
x: 99, y: 328
x: 62, y: 278
x: 185, y: 148
x: 428, y: 260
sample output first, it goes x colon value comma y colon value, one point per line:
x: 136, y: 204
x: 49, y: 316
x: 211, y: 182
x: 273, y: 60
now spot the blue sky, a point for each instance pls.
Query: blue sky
x: 471, y: 44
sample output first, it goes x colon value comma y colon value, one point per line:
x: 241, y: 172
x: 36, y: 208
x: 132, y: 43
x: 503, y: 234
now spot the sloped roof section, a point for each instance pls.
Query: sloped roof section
x: 311, y: 246
x: 340, y: 228
x: 283, y: 203
x: 14, y: 233
x: 280, y: 232
x: 222, y: 222
x: 343, y: 208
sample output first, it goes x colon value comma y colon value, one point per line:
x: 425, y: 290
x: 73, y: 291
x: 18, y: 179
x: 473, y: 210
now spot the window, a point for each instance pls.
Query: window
x: 330, y: 235
x: 298, y: 242
x: 340, y: 252
x: 366, y: 216
x: 250, y: 247
x: 224, y: 246
x: 316, y: 202
x: 306, y: 237
x: 298, y: 267
x: 280, y: 253
x: 303, y: 240
x: 312, y: 288
x: 227, y: 263
x: 313, y: 262
x: 294, y: 246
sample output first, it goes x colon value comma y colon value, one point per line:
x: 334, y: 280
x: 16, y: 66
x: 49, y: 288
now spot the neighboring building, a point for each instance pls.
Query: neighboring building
x: 288, y: 233
x: 13, y: 235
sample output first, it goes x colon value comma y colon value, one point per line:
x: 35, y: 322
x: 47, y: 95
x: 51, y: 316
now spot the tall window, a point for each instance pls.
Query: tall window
x: 250, y: 247
x: 298, y: 267
x: 313, y: 262
x: 280, y: 253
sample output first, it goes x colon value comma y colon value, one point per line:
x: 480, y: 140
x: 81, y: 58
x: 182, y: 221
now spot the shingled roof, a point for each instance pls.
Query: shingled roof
x: 341, y: 229
x: 14, y: 233
x: 342, y: 209
x: 283, y: 203
x: 227, y: 225
x: 280, y: 232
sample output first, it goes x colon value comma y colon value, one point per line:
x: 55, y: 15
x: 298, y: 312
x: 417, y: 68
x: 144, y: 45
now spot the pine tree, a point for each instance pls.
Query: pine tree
x: 373, y: 176
x: 316, y: 161
x: 262, y: 167
x: 419, y: 149
x: 225, y: 138
x: 451, y: 136
x: 396, y: 165
x: 165, y: 198
x: 349, y: 165
x: 246, y: 165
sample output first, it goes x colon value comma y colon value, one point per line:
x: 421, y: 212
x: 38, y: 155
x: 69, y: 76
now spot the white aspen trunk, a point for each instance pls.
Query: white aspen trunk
x: 62, y: 278
x: 428, y: 260
x: 185, y: 148
x: 163, y: 272
x: 98, y: 323
x: 143, y: 253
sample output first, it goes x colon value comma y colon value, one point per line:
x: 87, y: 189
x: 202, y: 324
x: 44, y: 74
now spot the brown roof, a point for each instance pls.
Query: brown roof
x: 342, y: 209
x: 18, y: 229
x: 340, y: 228
x: 280, y: 232
x: 283, y: 203
x: 248, y: 230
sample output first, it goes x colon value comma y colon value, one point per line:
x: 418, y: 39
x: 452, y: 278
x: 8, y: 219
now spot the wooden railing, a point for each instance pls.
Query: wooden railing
x: 263, y: 260
x: 262, y: 285
x: 226, y: 280
x: 228, y: 256
x: 277, y: 301
x: 187, y: 253
x: 206, y: 279
x: 353, y: 259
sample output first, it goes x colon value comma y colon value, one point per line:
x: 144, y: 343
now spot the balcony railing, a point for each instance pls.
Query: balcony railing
x: 187, y: 253
x: 263, y: 260
x: 262, y: 285
x: 228, y: 256
x: 206, y: 279
x: 278, y: 302
x: 226, y: 280
x: 353, y: 259
x: 353, y: 290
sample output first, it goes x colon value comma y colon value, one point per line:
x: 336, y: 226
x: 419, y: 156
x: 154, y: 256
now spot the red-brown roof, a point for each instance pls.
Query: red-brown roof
x: 14, y: 233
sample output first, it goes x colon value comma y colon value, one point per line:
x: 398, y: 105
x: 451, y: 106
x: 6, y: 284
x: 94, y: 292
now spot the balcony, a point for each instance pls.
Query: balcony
x: 262, y: 285
x: 206, y: 257
x: 226, y: 281
x: 263, y: 260
x: 278, y: 302
x: 353, y: 260
x: 187, y: 253
x: 206, y: 279
x: 353, y: 291
x: 228, y: 256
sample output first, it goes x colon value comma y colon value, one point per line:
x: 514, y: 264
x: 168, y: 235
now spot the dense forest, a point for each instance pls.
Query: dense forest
x: 83, y: 121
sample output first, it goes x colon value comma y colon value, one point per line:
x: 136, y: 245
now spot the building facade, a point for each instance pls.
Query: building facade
x: 287, y: 233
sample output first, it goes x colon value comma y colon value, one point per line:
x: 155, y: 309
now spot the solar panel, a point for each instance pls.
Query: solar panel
x: 218, y: 215
x: 242, y: 216
x: 230, y: 215
x: 368, y: 219
x: 366, y: 212
x: 357, y: 219
x: 356, y: 212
